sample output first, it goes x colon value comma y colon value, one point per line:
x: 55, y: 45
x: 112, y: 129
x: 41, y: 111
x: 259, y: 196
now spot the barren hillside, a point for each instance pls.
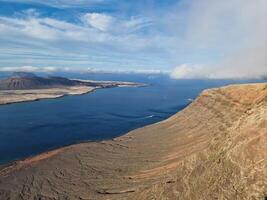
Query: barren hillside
x: 216, y: 148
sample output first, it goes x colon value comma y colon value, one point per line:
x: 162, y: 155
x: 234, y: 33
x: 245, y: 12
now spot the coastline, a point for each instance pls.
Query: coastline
x: 20, y: 96
x: 215, y: 134
x: 8, y: 97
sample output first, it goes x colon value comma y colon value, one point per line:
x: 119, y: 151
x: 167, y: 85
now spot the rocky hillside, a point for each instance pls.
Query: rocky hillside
x: 24, y: 81
x: 29, y: 81
x: 214, y: 149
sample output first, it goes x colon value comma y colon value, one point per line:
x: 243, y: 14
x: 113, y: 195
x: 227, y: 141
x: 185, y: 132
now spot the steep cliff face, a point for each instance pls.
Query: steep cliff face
x: 216, y: 148
x: 233, y: 163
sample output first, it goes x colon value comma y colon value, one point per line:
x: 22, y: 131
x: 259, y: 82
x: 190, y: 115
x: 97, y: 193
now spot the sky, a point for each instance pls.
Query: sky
x: 185, y: 38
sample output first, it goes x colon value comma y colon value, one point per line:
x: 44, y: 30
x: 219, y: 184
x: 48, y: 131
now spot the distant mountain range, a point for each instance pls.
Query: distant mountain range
x: 24, y: 81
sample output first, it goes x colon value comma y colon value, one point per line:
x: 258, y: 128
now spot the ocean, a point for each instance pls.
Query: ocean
x: 29, y: 128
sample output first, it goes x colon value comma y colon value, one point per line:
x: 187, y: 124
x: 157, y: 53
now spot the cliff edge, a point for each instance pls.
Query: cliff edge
x: 213, y: 149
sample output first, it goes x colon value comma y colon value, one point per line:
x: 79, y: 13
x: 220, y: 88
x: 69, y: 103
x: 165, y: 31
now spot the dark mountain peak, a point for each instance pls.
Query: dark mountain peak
x: 24, y: 81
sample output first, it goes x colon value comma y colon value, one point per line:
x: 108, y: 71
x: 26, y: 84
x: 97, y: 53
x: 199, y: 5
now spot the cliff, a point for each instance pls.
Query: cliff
x: 213, y: 149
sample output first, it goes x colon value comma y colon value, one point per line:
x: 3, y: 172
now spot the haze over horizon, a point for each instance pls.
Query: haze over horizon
x: 185, y: 38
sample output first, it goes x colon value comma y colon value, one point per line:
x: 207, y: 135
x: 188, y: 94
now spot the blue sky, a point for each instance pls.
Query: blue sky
x: 186, y: 38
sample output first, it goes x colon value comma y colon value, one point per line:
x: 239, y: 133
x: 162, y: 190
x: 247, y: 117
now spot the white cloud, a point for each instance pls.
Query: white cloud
x: 61, y: 3
x: 235, y: 31
x: 47, y: 29
x: 99, y: 21
x: 113, y: 25
x: 189, y: 71
x: 30, y: 12
x: 128, y: 71
x: 103, y: 29
x: 51, y: 69
x: 28, y: 69
x: 222, y: 39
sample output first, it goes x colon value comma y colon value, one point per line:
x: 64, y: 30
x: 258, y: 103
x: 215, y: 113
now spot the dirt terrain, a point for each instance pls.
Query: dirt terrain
x: 213, y: 149
x: 17, y: 96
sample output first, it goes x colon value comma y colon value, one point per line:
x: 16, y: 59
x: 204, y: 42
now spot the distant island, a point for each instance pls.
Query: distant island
x: 22, y: 86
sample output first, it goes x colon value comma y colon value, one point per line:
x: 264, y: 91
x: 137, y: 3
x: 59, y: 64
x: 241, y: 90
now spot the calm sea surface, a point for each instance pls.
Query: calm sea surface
x: 30, y: 128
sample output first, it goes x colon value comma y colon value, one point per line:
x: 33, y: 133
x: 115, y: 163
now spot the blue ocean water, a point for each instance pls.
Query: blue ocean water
x: 30, y: 128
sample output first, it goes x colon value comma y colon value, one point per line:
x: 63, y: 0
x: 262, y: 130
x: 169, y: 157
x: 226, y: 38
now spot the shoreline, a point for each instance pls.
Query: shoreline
x: 20, y: 96
x: 8, y: 97
x: 47, y: 98
x: 89, y: 90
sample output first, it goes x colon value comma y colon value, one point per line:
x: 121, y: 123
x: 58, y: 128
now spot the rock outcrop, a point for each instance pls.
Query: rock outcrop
x: 216, y: 148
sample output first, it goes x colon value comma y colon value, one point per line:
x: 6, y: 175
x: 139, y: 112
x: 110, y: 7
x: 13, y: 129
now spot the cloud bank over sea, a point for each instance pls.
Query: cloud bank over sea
x: 238, y: 29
